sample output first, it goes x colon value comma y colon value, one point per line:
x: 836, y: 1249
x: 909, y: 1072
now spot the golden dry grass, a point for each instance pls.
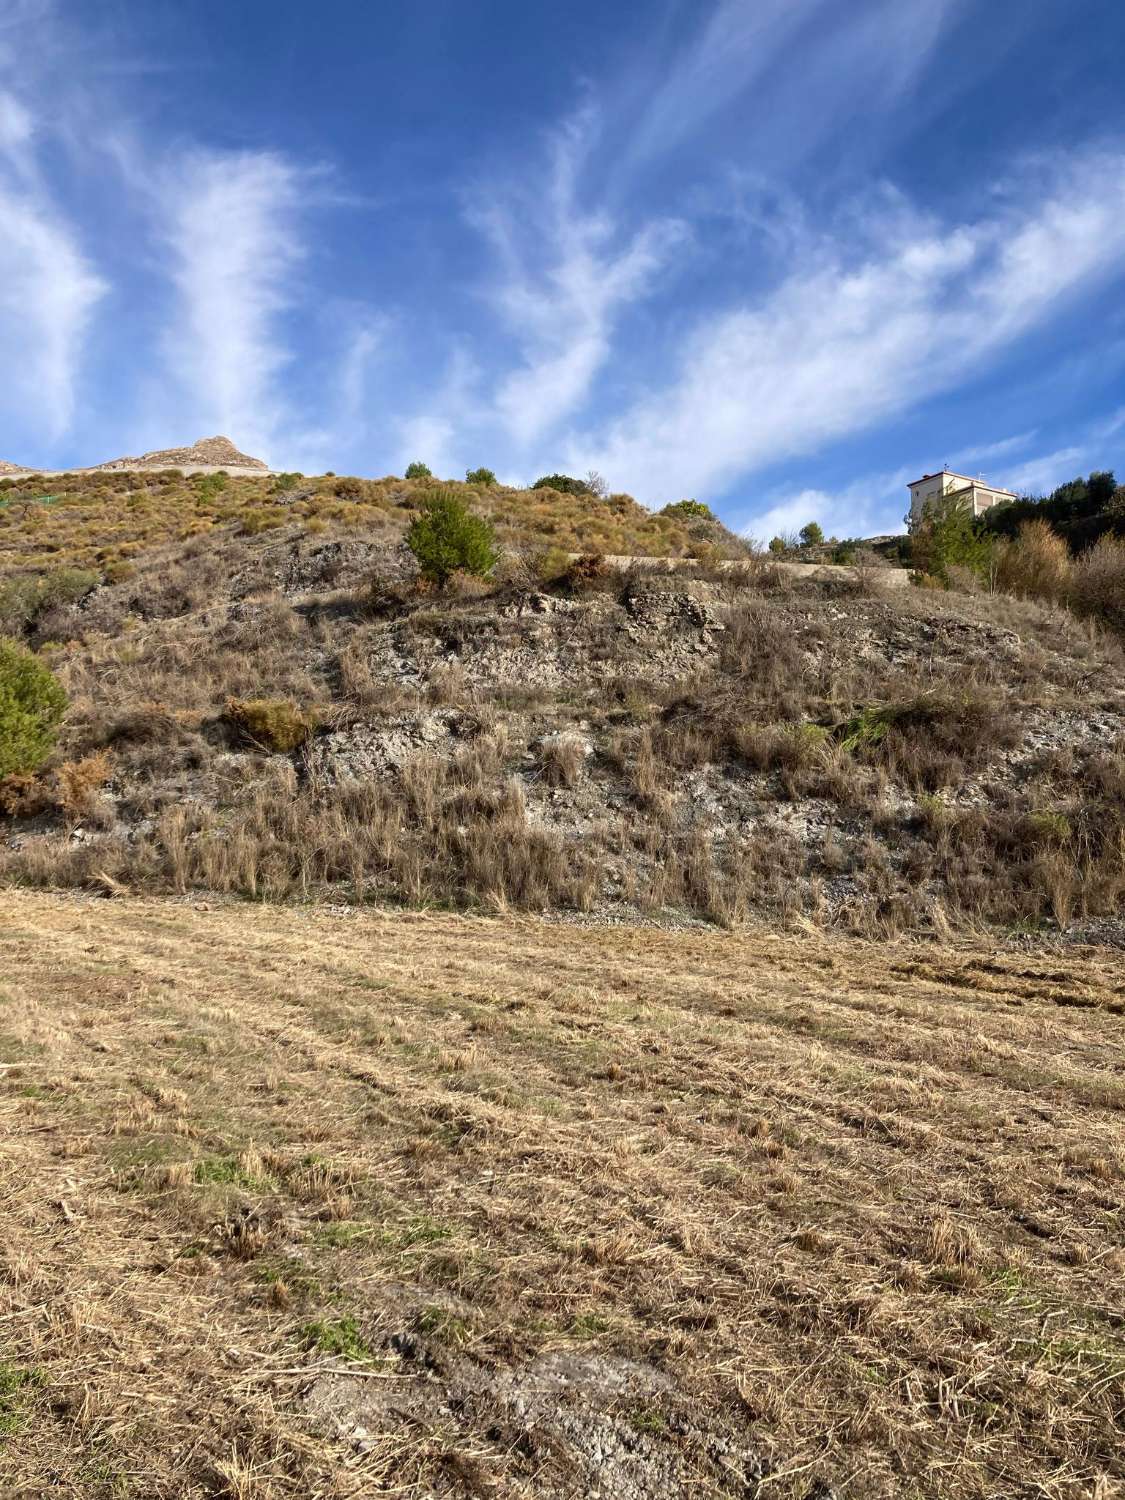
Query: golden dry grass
x: 114, y: 522
x: 858, y: 1209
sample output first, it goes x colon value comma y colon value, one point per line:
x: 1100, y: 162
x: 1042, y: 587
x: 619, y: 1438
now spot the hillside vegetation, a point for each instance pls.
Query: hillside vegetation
x: 266, y: 699
x: 108, y: 522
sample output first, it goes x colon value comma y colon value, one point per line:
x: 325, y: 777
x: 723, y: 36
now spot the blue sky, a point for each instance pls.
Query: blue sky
x: 779, y: 255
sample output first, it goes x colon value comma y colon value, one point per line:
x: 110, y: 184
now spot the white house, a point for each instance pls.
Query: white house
x: 946, y: 485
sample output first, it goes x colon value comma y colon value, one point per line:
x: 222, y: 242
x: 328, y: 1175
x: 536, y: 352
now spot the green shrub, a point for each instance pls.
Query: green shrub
x: 32, y: 702
x: 24, y: 600
x: 271, y: 723
x: 564, y: 483
x: 447, y: 538
x: 254, y: 522
x: 948, y: 535
x: 811, y: 535
x: 480, y: 476
x: 418, y: 470
x: 207, y: 486
x: 689, y: 509
x: 777, y: 545
x: 283, y: 482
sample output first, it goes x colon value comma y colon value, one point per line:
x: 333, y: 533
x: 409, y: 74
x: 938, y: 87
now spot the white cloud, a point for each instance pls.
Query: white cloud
x: 843, y: 343
x: 563, y: 308
x: 798, y: 68
x: 1039, y: 476
x: 437, y: 436
x: 998, y: 449
x: 231, y: 221
x: 875, y: 503
x: 16, y: 128
x: 48, y: 288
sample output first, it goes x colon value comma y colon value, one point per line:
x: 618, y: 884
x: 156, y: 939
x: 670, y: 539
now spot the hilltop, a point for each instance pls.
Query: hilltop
x: 202, y: 455
x: 214, y: 452
x: 265, y: 699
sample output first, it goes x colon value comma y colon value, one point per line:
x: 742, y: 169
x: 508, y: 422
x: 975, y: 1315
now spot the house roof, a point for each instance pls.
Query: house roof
x: 968, y: 478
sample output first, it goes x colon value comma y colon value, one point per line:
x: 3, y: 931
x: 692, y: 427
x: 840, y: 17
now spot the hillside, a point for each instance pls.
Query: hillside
x: 264, y: 701
x: 301, y: 1202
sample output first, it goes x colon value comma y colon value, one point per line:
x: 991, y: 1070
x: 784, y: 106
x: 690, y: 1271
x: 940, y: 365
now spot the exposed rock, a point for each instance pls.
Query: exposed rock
x: 218, y: 452
x: 366, y: 752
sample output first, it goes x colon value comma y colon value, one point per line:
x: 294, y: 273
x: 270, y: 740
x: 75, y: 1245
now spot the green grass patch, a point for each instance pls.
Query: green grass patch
x: 341, y: 1337
x: 588, y: 1325
x: 417, y: 1231
x: 17, y: 1387
x: 224, y: 1171
x: 296, y: 1276
x: 440, y: 1323
x: 648, y: 1420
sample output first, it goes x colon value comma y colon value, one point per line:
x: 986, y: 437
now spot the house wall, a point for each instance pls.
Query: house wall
x: 981, y: 496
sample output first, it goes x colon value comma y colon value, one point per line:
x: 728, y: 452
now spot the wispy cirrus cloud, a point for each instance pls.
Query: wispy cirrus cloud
x: 845, y: 341
x: 566, y: 274
x: 797, y: 68
x: 48, y: 288
x: 231, y: 222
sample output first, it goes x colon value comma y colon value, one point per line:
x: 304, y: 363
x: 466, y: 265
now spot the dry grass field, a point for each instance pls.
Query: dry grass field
x: 320, y: 1203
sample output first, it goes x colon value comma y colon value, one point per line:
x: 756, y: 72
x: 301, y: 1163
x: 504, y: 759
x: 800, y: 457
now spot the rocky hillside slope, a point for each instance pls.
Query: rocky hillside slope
x: 265, y: 701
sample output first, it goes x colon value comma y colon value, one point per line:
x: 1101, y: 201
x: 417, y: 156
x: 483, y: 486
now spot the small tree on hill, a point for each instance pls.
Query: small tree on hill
x: 418, y: 470
x: 480, y: 476
x: 32, y: 702
x: 948, y: 536
x: 566, y: 484
x: 447, y: 538
x: 777, y: 545
x: 689, y: 509
x: 811, y: 535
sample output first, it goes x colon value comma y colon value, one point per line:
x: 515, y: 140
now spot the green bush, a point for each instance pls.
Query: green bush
x: 32, y: 702
x: 949, y: 536
x: 564, y: 483
x: 811, y: 535
x: 271, y: 723
x: 777, y: 545
x: 24, y: 600
x: 418, y: 470
x: 689, y: 509
x: 447, y: 538
x: 480, y: 476
x: 207, y: 486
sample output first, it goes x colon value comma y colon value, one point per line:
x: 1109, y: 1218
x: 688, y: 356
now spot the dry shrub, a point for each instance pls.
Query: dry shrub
x: 590, y: 573
x: 1037, y: 563
x: 563, y: 757
x: 272, y: 724
x: 80, y: 781
x: 1099, y: 581
x: 23, y: 796
x: 931, y: 741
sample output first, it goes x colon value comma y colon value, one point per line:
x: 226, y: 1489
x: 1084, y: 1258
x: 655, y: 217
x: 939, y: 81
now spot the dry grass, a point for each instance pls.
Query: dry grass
x: 855, y: 1210
x: 115, y: 522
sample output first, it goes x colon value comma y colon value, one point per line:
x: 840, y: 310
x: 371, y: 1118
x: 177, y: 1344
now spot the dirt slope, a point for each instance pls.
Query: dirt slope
x: 300, y: 1202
